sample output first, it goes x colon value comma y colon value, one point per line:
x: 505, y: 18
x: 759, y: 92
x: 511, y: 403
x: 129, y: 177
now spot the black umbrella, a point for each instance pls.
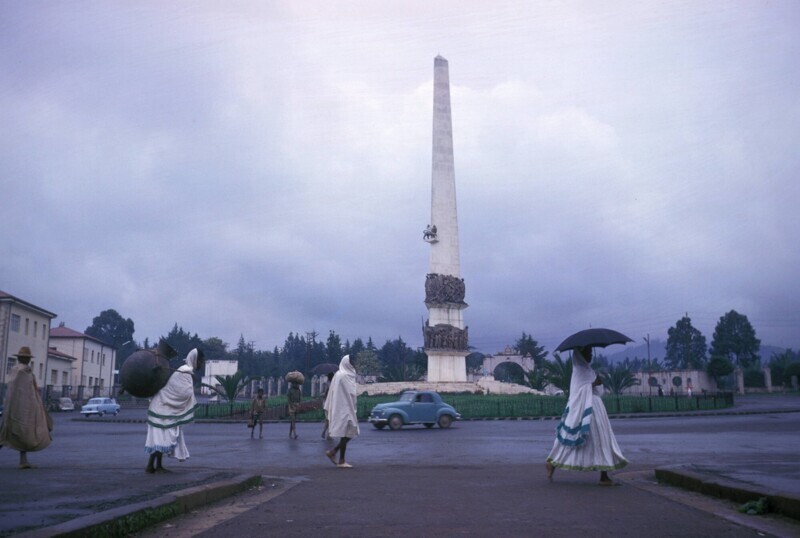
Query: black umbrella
x: 325, y: 368
x: 593, y: 338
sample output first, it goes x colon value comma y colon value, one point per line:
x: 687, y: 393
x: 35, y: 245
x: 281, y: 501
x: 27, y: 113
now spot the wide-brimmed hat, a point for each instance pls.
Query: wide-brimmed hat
x: 24, y: 351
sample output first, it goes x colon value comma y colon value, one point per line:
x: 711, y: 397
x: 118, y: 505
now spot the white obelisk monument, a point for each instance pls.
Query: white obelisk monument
x: 444, y: 332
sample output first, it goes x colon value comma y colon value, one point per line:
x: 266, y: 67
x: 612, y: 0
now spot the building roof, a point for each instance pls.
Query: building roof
x: 65, y: 332
x: 4, y: 297
x: 53, y: 352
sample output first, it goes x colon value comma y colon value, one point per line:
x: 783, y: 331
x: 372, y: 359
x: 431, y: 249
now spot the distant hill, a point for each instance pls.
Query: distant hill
x: 658, y: 350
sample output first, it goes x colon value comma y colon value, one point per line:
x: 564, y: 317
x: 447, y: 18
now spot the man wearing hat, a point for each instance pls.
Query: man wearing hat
x: 26, y: 425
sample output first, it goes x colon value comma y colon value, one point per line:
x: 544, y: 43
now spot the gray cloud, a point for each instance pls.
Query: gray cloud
x: 258, y: 169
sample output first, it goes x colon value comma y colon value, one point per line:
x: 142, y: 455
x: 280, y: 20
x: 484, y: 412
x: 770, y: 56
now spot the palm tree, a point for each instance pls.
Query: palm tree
x: 536, y: 378
x: 618, y: 377
x: 558, y: 372
x: 229, y: 386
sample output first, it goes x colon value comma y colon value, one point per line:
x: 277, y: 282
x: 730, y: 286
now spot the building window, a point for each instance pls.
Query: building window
x: 91, y: 379
x: 85, y: 354
x: 44, y: 331
x: 41, y: 371
x: 15, y: 323
x: 54, y: 377
x: 35, y: 329
x: 83, y: 380
x: 64, y: 378
x: 27, y: 326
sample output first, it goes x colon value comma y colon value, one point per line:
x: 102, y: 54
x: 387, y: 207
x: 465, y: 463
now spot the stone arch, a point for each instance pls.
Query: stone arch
x: 509, y: 355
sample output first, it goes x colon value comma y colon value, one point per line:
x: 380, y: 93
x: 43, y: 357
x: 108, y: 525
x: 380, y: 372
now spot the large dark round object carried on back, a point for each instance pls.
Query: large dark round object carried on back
x: 145, y: 372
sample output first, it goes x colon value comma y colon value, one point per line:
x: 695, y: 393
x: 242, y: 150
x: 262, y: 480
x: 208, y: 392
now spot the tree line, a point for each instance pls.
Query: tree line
x: 734, y: 344
x: 393, y: 361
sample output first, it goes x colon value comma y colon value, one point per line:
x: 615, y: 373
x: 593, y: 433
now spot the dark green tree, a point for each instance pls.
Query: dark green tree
x: 735, y: 338
x: 719, y: 368
x: 399, y: 362
x: 686, y: 346
x: 183, y: 341
x: 116, y: 331
x: 333, y: 348
x: 475, y: 361
x: 215, y: 349
x: 357, y: 347
x: 781, y: 364
x: 366, y: 363
x: 526, y: 345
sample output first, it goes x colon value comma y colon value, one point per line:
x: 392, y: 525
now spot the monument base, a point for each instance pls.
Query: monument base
x: 447, y: 366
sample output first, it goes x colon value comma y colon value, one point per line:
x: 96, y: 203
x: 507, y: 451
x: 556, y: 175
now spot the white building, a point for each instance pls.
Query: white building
x: 215, y: 368
x: 59, y: 369
x: 23, y: 324
x: 94, y: 367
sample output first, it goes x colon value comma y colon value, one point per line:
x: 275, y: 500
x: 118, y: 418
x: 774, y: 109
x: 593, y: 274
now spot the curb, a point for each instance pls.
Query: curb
x: 682, y: 476
x: 135, y: 517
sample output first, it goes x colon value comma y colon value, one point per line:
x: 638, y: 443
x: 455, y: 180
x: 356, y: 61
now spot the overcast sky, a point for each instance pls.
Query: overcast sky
x: 258, y: 168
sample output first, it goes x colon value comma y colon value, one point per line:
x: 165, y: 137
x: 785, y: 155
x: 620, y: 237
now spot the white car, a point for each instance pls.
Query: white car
x: 100, y: 406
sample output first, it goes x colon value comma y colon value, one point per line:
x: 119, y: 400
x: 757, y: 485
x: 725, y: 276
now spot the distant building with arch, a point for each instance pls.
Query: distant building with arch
x: 508, y: 355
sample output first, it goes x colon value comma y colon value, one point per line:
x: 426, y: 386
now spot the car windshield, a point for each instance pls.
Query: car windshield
x: 66, y: 400
x: 407, y: 397
x: 95, y: 401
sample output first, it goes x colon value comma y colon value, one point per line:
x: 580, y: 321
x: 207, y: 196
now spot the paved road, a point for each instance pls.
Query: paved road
x: 479, y: 478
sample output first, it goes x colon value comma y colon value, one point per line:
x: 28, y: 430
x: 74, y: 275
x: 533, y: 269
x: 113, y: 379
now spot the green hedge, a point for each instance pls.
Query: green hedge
x: 476, y: 406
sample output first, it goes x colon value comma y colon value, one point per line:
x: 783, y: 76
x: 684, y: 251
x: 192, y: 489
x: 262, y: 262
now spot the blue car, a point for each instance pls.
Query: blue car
x: 414, y: 407
x: 100, y: 406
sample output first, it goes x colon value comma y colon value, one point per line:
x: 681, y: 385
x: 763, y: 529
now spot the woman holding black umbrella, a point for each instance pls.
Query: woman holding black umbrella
x: 584, y: 438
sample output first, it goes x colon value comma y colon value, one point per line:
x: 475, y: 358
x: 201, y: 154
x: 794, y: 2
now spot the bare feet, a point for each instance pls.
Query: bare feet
x: 550, y: 470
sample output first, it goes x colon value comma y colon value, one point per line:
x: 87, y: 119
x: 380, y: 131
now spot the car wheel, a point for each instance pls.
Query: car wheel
x: 116, y: 413
x: 429, y: 424
x: 379, y: 426
x: 445, y: 421
x: 101, y: 413
x: 395, y: 422
x: 85, y: 415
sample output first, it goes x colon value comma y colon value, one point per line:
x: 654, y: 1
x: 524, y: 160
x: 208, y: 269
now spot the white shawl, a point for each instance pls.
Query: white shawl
x: 175, y: 404
x: 341, y: 402
x: 577, y: 418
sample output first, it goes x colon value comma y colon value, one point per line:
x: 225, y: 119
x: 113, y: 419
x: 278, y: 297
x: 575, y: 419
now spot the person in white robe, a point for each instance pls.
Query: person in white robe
x: 340, y: 406
x: 170, y: 409
x: 584, y: 439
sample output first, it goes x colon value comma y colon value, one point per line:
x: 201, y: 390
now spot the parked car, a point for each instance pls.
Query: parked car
x: 65, y: 404
x: 100, y: 406
x: 414, y: 407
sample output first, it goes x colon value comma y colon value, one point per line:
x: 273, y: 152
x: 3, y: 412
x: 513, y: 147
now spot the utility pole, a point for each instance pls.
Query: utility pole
x: 649, y: 365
